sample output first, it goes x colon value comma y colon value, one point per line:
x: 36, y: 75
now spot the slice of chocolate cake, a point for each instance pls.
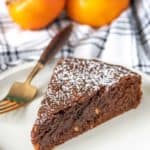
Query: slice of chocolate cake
x: 81, y: 95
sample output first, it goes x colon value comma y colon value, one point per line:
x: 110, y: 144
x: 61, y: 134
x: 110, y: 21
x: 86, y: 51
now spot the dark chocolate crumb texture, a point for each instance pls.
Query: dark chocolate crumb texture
x: 81, y: 95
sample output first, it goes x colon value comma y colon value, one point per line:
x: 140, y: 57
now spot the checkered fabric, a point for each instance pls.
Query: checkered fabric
x: 125, y: 41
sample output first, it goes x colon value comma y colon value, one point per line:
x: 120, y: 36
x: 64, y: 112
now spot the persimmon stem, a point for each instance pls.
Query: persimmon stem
x: 8, y: 2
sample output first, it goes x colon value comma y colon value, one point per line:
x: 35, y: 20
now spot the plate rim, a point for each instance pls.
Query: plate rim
x: 15, y: 69
x: 26, y: 65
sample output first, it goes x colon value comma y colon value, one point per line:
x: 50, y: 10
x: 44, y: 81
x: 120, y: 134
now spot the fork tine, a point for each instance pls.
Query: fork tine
x: 15, y: 106
x: 4, y: 102
x: 7, y: 105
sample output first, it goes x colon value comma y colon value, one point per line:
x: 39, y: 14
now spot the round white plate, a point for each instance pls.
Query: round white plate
x: 126, y: 132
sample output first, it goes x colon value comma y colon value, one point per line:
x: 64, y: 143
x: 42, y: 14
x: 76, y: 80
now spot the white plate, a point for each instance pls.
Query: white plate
x: 126, y: 132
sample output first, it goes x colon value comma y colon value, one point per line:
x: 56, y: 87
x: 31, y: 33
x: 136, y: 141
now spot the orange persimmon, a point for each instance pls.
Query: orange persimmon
x: 95, y: 12
x: 34, y: 14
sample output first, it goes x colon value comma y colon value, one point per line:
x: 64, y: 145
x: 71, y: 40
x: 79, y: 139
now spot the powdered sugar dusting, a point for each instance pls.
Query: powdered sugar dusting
x: 73, y: 78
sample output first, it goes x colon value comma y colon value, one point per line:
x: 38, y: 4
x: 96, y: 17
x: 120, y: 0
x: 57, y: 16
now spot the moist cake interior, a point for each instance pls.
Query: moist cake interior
x: 81, y: 95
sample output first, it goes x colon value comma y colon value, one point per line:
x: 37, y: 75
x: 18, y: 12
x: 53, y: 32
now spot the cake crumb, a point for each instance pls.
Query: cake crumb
x: 91, y: 126
x: 76, y: 128
x: 97, y: 111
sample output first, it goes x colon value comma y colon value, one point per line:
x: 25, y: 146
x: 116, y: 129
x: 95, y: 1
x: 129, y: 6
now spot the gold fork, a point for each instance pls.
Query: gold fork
x: 22, y: 93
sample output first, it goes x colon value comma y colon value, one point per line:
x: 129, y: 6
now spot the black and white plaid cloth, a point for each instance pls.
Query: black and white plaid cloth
x: 126, y: 41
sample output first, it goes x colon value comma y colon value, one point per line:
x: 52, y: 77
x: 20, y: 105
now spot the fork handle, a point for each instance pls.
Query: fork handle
x: 34, y: 72
x: 53, y: 47
x: 56, y: 44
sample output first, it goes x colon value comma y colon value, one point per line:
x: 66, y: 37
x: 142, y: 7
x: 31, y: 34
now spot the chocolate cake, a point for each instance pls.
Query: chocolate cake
x: 81, y: 95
